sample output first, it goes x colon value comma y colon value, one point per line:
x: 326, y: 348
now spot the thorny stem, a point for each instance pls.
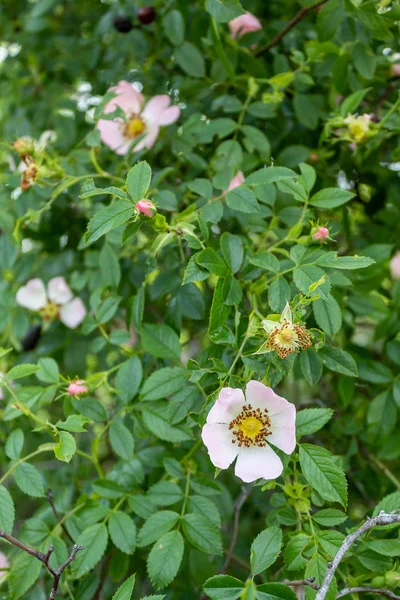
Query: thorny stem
x: 246, y: 491
x: 367, y: 590
x: 309, y: 582
x: 296, y: 19
x: 382, y: 519
x: 45, y: 559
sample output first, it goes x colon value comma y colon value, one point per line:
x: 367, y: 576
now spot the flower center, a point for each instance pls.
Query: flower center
x: 286, y: 335
x: 50, y: 311
x: 250, y: 427
x: 134, y: 127
x: 288, y: 338
x: 358, y: 130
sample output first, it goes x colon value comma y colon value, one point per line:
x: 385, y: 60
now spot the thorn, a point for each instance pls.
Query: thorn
x: 329, y: 565
x: 311, y: 579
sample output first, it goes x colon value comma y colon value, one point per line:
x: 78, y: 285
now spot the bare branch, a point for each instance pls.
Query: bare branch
x: 246, y: 491
x: 367, y: 590
x: 309, y: 582
x: 302, y: 13
x: 382, y: 519
x: 44, y: 558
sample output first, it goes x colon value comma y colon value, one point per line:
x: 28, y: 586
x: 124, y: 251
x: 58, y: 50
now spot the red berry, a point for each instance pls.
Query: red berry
x: 146, y: 15
x: 123, y: 23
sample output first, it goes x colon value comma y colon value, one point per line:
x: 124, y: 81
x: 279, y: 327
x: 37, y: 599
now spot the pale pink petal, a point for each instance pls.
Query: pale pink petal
x: 159, y: 111
x: 58, y: 290
x: 32, y: 295
x: 111, y: 133
x: 127, y: 98
x: 218, y: 441
x: 261, y: 396
x: 255, y: 463
x: 227, y: 406
x: 236, y: 181
x: 244, y: 24
x: 72, y: 313
x: 149, y: 139
x: 283, y: 437
x: 395, y: 266
x: 77, y: 387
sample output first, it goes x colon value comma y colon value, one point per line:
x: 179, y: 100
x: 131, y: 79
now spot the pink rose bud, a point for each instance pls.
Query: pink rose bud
x: 395, y: 266
x: 77, y: 387
x: 314, y: 157
x: 237, y: 180
x: 146, y: 207
x: 244, y: 24
x: 321, y: 234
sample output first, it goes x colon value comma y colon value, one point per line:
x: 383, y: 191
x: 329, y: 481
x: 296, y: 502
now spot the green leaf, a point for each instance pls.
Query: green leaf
x: 345, y: 262
x: 265, y: 549
x: 338, y: 360
x: 224, y: 587
x: 202, y: 533
x: 210, y: 260
x: 165, y: 493
x: 125, y: 591
x: 351, y: 103
x: 48, y: 370
x: 174, y: 27
x: 328, y: 315
x: 155, y: 417
x: 224, y: 10
x: 330, y: 541
x: 310, y: 420
x: 21, y: 371
x: 138, y: 309
x: 269, y: 175
x: 109, y: 266
x: 121, y: 440
x: 331, y: 198
x: 29, y: 480
x: 275, y: 591
x: 7, y: 511
x: 164, y: 382
x: 14, y: 444
x: 329, y: 517
x: 293, y: 553
x: 190, y: 60
x: 138, y: 180
x: 74, y: 423
x: 266, y: 261
x: 329, y: 19
x: 158, y: 524
x: 24, y: 572
x: 385, y: 547
x: 311, y: 366
x: 232, y: 249
x: 165, y: 558
x: 129, y: 378
x: 161, y: 341
x: 242, y: 199
x: 66, y: 447
x: 278, y: 294
x: 205, y: 507
x: 108, y: 218
x: 122, y: 532
x: 305, y: 276
x: 323, y: 474
x: 94, y: 541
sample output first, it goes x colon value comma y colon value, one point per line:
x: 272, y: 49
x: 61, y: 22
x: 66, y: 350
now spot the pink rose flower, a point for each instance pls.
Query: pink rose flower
x: 56, y: 302
x: 244, y: 24
x: 237, y: 180
x: 239, y: 427
x: 395, y: 266
x: 141, y: 120
x: 146, y: 207
x: 77, y: 387
x: 321, y: 234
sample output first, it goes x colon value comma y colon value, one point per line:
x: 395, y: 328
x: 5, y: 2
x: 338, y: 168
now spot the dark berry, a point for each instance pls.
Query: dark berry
x: 123, y: 24
x: 146, y: 15
x: 31, y: 338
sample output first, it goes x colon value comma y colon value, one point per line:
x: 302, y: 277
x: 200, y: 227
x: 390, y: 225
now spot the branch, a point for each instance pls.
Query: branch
x: 382, y: 519
x: 44, y: 558
x: 246, y: 491
x: 50, y: 498
x: 309, y: 581
x: 367, y: 589
x: 302, y: 13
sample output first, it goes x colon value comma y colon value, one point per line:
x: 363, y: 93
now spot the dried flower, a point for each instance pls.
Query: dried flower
x: 285, y: 337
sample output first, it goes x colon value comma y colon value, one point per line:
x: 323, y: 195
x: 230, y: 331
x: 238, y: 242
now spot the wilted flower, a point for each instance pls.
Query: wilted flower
x: 358, y: 126
x: 28, y: 145
x: 29, y: 175
x: 244, y: 24
x: 77, y: 387
x: 395, y: 266
x: 55, y: 303
x: 146, y: 207
x: 321, y: 234
x: 140, y: 120
x: 285, y: 337
x: 244, y: 427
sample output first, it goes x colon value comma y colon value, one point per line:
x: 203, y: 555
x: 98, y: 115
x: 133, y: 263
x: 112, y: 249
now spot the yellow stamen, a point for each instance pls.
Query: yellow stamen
x: 250, y: 427
x: 50, y: 311
x: 134, y: 127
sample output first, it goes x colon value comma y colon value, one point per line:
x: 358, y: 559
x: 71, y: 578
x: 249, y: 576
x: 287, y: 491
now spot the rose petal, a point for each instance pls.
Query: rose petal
x: 58, y: 290
x: 127, y: 98
x: 218, y: 441
x: 32, y: 295
x: 112, y: 136
x: 149, y: 139
x: 159, y: 111
x: 269, y: 325
x: 395, y: 266
x: 227, y: 406
x: 72, y: 313
x: 237, y: 180
x: 262, y: 396
x: 244, y: 24
x: 255, y: 463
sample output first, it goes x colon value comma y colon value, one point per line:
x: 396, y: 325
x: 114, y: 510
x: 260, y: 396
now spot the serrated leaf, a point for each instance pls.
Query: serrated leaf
x: 275, y: 591
x: 165, y: 558
x: 24, y: 572
x: 205, y: 507
x: 202, y: 533
x: 121, y: 440
x: 161, y: 341
x: 242, y: 199
x: 107, y: 219
x: 138, y: 180
x: 265, y: 549
x: 125, y: 591
x: 310, y: 420
x: 224, y: 587
x: 21, y: 371
x: 7, y: 511
x: 122, y: 532
x: 48, y: 370
x: 158, y: 524
x: 94, y: 541
x: 323, y: 474
x: 66, y: 447
x: 338, y: 360
x: 331, y: 198
x: 74, y: 423
x: 14, y: 444
x: 164, y: 382
x: 210, y: 260
x: 329, y: 517
x: 311, y: 366
x: 29, y: 480
x: 129, y: 378
x: 328, y: 315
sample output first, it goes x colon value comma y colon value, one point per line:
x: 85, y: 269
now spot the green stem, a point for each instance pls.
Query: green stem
x: 94, y: 462
x: 390, y: 112
x: 44, y: 448
x: 187, y: 488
